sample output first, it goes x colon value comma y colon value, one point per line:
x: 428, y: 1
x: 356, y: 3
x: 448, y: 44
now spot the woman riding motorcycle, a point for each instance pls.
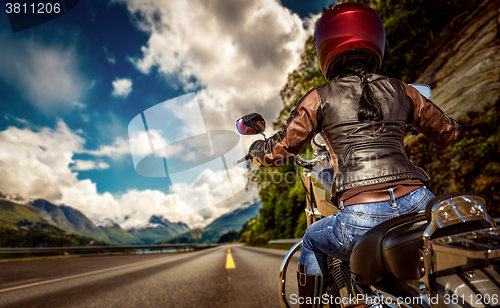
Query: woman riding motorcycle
x: 362, y: 117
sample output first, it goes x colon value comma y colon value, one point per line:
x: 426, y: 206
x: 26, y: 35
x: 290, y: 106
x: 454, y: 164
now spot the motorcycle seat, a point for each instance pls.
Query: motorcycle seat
x: 392, y: 247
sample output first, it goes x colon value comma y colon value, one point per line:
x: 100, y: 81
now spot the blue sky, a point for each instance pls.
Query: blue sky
x: 70, y: 87
x: 91, y: 27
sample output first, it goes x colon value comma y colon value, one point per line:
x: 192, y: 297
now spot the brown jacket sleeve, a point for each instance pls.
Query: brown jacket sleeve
x: 300, y: 127
x: 431, y: 121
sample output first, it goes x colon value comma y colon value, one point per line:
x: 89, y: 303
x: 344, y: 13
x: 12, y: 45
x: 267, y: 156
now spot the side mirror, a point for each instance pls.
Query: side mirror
x: 251, y: 124
x: 424, y: 89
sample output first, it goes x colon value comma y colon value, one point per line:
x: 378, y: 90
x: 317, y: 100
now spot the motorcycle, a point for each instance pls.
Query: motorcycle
x: 445, y: 256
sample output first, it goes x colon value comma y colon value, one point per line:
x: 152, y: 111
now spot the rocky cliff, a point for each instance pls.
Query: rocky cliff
x: 465, y: 77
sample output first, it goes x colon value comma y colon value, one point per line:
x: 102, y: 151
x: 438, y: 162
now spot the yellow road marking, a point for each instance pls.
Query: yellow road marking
x: 229, y: 259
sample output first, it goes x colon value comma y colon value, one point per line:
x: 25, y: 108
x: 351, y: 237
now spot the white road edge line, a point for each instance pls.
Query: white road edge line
x: 75, y: 276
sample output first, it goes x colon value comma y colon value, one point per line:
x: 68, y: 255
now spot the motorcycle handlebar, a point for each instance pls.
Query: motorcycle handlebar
x: 239, y: 161
x: 303, y: 162
x: 308, y: 163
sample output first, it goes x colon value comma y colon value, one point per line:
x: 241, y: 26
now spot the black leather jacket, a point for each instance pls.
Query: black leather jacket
x: 367, y: 153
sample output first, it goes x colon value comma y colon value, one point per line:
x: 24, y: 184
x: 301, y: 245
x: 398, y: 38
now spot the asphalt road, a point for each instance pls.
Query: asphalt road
x: 194, y: 279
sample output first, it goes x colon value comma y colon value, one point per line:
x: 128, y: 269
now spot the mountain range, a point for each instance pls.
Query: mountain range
x: 232, y: 221
x: 68, y: 219
x: 23, y: 225
x: 20, y: 219
x: 158, y: 228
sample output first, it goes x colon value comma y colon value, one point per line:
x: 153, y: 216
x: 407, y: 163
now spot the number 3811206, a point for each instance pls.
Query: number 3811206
x: 39, y: 8
x: 476, y: 299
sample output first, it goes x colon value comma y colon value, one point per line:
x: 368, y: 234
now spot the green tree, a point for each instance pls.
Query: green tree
x: 414, y: 30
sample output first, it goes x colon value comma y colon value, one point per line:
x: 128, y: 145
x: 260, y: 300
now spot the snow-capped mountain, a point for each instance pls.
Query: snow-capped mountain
x: 107, y: 223
x: 156, y: 229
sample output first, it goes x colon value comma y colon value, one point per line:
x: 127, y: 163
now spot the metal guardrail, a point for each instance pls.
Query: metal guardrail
x: 178, y: 247
x: 285, y: 241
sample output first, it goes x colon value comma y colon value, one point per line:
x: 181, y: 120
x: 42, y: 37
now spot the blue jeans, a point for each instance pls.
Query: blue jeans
x: 336, y: 235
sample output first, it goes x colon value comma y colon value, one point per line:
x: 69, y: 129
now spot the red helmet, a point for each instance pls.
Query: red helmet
x: 349, y: 31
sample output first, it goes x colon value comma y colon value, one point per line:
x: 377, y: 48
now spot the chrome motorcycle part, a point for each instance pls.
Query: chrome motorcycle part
x: 458, y: 209
x: 470, y: 274
x: 314, y: 213
x: 343, y: 285
x: 318, y: 144
x: 309, y: 163
x: 459, y: 249
x: 457, y: 290
x: 283, y: 268
x: 454, y: 208
x: 319, y: 140
x: 457, y: 265
x: 467, y: 250
x: 340, y: 284
x: 424, y: 297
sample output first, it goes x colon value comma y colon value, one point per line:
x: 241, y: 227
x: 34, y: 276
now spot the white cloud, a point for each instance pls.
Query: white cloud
x: 102, y: 165
x: 35, y: 163
x: 38, y: 163
x: 84, y: 165
x: 116, y: 150
x: 23, y: 122
x: 236, y: 53
x: 46, y: 75
x: 121, y: 87
x: 210, y: 188
x: 79, y: 105
x: 140, y: 205
x: 109, y: 57
x: 85, y: 117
